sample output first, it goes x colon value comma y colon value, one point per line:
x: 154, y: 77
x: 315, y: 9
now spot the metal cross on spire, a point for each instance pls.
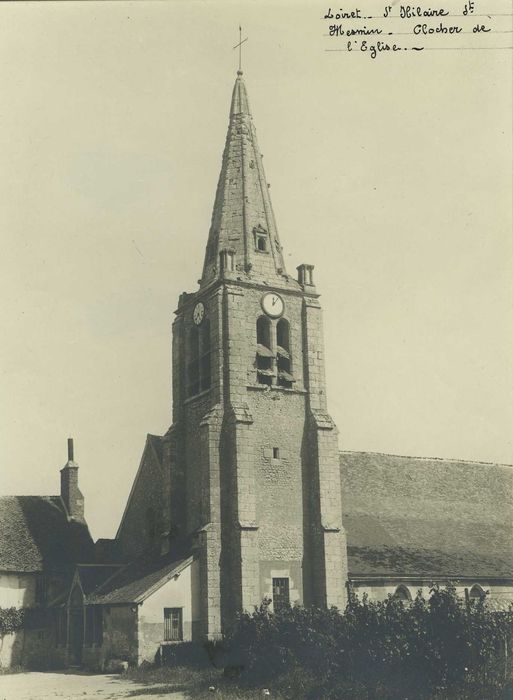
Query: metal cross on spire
x: 239, y: 46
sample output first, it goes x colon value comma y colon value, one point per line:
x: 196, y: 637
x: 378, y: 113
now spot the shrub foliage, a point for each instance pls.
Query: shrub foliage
x: 438, y: 647
x: 11, y: 620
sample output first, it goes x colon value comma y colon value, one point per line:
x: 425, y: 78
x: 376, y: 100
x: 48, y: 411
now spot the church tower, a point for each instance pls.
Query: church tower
x: 252, y: 464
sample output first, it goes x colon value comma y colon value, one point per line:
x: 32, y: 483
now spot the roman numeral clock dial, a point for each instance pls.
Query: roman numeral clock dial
x: 272, y: 304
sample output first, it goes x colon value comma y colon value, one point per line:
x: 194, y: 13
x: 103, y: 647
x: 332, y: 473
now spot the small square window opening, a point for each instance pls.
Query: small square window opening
x: 173, y: 625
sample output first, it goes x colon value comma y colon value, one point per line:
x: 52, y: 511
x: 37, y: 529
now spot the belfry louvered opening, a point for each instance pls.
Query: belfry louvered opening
x: 193, y: 366
x: 284, y: 359
x: 264, y: 354
x: 199, y: 369
x: 273, y: 353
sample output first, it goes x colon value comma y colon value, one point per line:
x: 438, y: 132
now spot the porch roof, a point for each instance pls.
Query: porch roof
x: 138, y: 580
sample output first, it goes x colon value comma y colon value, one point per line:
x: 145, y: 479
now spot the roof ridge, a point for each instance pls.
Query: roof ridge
x: 27, y: 495
x: 436, y: 459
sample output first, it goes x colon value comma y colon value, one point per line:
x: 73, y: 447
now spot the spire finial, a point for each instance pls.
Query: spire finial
x: 239, y: 46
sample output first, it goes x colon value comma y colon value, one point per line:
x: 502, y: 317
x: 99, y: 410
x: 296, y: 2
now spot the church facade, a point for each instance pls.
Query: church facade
x: 247, y: 495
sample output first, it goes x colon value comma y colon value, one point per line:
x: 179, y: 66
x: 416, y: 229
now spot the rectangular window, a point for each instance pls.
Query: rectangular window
x: 281, y: 595
x: 173, y: 625
x: 261, y: 243
x: 276, y: 453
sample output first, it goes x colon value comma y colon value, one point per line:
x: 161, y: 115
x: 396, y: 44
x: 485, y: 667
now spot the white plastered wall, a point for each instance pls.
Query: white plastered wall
x: 16, y: 591
x: 179, y: 592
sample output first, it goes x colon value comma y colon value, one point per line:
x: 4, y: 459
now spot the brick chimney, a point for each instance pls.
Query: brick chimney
x: 70, y: 493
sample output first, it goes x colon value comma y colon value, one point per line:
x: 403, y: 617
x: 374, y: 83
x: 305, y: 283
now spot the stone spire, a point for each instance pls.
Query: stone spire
x: 243, y: 240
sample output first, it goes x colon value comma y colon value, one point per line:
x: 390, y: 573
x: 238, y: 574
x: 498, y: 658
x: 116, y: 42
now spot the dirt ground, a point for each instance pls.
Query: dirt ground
x: 72, y: 686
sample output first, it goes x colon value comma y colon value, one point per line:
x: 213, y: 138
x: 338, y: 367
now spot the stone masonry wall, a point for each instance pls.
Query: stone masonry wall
x: 197, y: 426
x: 176, y: 593
x: 250, y: 482
x: 120, y: 634
x: 134, y: 534
x: 263, y: 513
x: 326, y: 565
x: 278, y: 424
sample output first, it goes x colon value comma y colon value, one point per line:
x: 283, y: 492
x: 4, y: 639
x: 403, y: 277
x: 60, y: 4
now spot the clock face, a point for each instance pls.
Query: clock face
x: 272, y: 304
x: 199, y: 313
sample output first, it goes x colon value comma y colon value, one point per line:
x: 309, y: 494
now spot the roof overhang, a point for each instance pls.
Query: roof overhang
x: 427, y: 579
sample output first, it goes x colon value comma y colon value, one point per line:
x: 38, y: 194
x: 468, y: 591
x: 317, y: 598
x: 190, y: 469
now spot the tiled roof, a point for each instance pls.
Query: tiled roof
x: 36, y: 533
x: 135, y: 582
x: 412, y: 516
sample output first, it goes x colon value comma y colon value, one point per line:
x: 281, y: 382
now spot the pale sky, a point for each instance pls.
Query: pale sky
x: 393, y: 177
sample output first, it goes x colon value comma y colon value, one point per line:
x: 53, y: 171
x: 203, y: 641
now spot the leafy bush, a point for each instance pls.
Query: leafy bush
x: 11, y: 620
x: 378, y: 649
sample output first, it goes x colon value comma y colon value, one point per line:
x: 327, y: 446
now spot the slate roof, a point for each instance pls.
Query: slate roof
x: 410, y: 516
x: 36, y: 534
x: 135, y: 582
